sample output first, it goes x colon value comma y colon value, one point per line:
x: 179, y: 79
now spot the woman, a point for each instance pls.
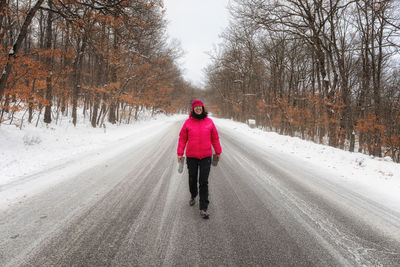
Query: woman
x: 199, y: 133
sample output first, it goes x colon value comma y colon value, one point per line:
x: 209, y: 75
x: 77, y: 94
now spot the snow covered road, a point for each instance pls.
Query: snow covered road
x: 129, y: 207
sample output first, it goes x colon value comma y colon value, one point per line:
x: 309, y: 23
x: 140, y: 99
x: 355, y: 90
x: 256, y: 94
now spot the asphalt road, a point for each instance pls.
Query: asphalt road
x: 132, y: 210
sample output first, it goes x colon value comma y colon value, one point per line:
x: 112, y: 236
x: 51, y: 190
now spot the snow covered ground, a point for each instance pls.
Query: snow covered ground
x: 27, y: 155
x: 32, y: 151
x: 375, y: 178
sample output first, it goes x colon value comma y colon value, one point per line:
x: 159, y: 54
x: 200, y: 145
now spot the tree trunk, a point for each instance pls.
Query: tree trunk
x: 95, y: 110
x: 31, y: 99
x: 49, y: 32
x: 3, y: 4
x: 77, y: 80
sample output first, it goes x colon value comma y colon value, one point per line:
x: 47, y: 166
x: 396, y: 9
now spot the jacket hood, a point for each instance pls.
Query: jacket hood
x: 197, y: 102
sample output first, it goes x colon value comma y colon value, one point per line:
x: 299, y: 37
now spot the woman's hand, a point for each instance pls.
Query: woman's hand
x: 218, y: 156
x: 179, y: 158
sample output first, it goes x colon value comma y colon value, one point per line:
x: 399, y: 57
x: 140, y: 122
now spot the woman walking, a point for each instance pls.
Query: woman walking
x: 199, y: 134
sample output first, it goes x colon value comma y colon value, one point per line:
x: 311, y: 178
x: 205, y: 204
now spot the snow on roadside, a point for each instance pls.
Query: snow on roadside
x: 31, y: 150
x: 375, y: 178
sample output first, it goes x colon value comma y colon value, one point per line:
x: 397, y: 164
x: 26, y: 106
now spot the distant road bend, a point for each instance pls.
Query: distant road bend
x: 132, y: 210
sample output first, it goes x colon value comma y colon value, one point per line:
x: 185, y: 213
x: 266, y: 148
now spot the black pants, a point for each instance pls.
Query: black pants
x: 194, y: 165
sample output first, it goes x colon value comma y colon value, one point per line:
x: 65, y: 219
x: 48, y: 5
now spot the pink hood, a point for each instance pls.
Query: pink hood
x: 199, y: 135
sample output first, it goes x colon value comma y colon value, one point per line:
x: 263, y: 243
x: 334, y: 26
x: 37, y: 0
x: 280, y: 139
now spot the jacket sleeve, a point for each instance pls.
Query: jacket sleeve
x: 183, y: 136
x: 215, y: 140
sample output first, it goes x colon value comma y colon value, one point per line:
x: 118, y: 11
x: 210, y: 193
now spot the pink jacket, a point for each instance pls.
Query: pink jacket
x: 199, y: 136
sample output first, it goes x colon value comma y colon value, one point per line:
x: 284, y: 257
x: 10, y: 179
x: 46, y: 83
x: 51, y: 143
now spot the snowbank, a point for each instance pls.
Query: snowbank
x: 30, y: 150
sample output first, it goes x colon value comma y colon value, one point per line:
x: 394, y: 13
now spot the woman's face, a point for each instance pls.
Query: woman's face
x: 198, y: 110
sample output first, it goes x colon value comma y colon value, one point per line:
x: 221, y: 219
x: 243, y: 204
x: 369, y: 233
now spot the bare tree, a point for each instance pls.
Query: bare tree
x: 17, y: 45
x: 320, y: 68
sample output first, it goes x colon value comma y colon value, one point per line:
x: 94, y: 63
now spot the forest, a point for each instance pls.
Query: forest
x: 321, y: 70
x: 107, y: 59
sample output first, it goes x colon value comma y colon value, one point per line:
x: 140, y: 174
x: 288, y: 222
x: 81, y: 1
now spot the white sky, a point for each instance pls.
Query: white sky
x: 196, y: 24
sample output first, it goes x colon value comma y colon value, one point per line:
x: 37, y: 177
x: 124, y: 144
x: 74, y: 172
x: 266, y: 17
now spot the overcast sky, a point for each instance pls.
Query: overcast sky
x: 196, y: 24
